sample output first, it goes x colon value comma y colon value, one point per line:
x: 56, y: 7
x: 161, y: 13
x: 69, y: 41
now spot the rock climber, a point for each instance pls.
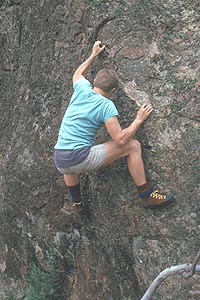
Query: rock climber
x: 90, y: 107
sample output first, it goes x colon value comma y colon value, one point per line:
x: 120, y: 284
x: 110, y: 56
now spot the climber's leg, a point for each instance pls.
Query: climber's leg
x: 150, y: 198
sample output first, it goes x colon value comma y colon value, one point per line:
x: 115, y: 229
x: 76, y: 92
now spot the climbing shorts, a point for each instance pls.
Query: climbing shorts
x: 94, y: 161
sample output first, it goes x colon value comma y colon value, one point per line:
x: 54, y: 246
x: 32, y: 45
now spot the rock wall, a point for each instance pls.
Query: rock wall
x: 116, y: 250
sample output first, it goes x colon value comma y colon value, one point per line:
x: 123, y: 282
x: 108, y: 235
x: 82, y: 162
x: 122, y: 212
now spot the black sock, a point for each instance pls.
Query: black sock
x: 145, y: 190
x: 75, y: 193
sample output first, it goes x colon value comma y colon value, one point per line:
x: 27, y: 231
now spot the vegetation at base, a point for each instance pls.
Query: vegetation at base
x: 44, y: 285
x: 9, y: 296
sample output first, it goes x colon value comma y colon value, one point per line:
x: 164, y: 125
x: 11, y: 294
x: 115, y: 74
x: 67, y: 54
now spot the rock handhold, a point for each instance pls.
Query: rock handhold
x: 139, y: 96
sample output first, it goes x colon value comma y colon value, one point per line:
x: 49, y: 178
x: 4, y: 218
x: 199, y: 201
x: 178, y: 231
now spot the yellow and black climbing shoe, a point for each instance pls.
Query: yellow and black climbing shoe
x: 77, y: 207
x: 156, y: 200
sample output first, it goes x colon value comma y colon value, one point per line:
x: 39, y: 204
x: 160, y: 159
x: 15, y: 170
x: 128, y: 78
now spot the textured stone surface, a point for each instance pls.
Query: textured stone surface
x: 116, y: 251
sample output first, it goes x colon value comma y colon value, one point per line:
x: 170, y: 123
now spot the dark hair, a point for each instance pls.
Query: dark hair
x: 106, y: 80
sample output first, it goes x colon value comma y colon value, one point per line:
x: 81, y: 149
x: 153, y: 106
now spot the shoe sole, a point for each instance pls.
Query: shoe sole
x: 154, y: 206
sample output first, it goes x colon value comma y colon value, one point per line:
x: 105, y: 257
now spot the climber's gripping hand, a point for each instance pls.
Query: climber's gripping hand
x: 80, y: 72
x: 98, y: 48
x: 144, y: 112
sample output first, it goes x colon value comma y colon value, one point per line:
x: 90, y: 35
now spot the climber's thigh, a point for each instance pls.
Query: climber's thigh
x: 114, y: 151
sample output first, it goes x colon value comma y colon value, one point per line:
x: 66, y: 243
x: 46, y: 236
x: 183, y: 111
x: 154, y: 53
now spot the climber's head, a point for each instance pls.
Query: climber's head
x: 107, y: 81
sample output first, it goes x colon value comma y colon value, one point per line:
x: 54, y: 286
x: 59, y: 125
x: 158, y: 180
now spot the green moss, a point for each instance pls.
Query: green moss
x: 179, y: 233
x: 198, y: 217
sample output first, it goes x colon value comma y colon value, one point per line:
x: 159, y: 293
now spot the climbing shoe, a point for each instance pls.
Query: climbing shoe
x: 77, y: 207
x: 156, y: 200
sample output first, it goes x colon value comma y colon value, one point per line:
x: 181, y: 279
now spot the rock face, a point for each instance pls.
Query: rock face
x: 118, y: 248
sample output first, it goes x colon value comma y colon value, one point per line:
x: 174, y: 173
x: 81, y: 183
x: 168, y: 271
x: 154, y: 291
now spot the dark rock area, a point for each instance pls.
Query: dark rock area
x: 116, y: 249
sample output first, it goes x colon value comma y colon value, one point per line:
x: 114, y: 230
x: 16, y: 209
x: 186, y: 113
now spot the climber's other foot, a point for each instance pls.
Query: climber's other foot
x: 157, y: 199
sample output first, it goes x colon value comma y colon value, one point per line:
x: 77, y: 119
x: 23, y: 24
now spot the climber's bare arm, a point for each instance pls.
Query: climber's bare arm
x: 123, y: 136
x: 83, y: 68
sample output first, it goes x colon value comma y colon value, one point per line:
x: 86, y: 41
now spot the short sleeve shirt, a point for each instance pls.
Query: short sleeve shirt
x: 85, y: 114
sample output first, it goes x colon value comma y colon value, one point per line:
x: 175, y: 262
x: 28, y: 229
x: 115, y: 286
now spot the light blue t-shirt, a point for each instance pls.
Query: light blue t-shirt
x: 85, y: 114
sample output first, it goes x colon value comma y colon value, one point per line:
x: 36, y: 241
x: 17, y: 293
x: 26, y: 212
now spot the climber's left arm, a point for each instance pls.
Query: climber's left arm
x: 83, y: 68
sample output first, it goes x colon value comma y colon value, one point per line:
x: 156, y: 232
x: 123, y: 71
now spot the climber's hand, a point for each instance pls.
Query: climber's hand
x: 144, y: 112
x: 98, y: 47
